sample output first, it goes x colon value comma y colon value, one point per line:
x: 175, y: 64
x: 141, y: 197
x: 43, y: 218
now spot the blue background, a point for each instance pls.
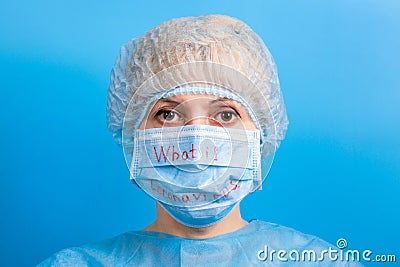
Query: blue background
x: 64, y: 181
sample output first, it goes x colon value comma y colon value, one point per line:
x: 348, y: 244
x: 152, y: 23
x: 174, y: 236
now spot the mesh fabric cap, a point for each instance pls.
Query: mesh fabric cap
x: 215, y: 50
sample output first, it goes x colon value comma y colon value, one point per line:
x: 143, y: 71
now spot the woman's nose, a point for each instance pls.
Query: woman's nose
x: 199, y: 120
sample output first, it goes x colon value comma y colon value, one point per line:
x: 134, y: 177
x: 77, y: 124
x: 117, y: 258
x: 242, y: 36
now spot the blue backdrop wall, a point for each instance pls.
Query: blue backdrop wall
x: 64, y: 181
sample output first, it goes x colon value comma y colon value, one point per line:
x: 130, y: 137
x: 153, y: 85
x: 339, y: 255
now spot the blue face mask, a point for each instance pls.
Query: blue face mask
x: 198, y: 173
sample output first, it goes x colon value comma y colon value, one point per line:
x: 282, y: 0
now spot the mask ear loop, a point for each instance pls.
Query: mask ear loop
x: 258, y: 169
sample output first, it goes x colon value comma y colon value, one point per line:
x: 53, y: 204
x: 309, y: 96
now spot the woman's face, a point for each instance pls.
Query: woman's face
x: 197, y: 109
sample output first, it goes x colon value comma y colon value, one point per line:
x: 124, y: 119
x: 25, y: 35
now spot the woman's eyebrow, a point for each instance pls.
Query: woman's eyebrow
x: 161, y: 102
x: 218, y: 100
x: 166, y: 100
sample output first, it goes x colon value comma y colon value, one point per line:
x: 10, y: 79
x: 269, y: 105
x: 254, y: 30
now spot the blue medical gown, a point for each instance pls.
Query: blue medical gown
x: 239, y: 248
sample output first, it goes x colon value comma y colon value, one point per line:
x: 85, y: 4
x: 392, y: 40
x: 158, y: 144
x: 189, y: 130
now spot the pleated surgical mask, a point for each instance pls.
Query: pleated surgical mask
x: 198, y: 173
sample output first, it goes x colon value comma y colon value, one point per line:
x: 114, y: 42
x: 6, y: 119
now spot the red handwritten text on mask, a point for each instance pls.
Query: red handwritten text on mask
x: 194, y: 197
x: 169, y: 153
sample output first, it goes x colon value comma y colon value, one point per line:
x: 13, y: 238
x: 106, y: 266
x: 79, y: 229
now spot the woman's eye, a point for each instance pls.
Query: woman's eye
x: 167, y: 116
x: 226, y: 116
